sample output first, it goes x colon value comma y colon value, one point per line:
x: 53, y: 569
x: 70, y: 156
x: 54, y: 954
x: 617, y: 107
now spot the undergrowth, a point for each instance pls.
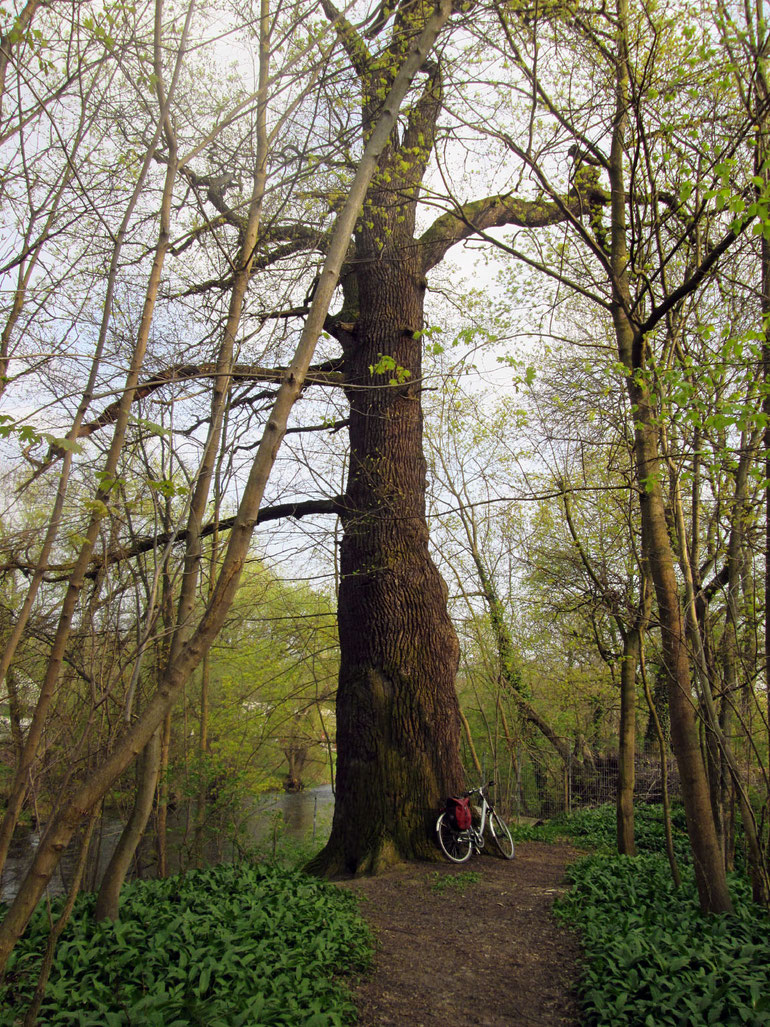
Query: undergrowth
x: 453, y: 882
x: 231, y: 945
x: 595, y: 829
x: 651, y: 958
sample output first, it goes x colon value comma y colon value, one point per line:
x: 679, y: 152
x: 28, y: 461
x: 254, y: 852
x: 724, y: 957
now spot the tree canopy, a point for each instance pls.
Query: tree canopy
x: 237, y: 296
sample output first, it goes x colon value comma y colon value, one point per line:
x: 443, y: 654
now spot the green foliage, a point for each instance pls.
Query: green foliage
x: 30, y: 436
x: 454, y: 882
x: 652, y: 958
x: 548, y: 831
x: 237, y: 944
x: 596, y: 829
x: 387, y: 363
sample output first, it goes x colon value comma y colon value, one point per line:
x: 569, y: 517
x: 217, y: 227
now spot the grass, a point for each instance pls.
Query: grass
x: 453, y: 882
x: 651, y: 958
x: 237, y: 944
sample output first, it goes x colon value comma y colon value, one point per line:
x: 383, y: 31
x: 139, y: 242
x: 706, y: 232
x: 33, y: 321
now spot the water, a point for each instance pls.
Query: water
x: 303, y: 815
x: 299, y: 816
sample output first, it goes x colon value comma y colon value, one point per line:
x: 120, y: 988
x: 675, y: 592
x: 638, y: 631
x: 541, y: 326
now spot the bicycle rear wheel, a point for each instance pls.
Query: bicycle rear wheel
x: 456, y: 845
x: 501, y: 835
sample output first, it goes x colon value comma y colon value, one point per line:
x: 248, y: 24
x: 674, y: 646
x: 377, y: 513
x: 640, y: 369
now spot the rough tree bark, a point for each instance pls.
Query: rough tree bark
x: 398, y: 722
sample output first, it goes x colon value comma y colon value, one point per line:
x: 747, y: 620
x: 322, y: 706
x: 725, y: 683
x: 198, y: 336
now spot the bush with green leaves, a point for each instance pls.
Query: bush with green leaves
x: 239, y: 944
x: 652, y: 959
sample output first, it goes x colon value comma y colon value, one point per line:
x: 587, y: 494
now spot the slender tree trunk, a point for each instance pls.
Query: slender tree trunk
x: 763, y: 155
x: 627, y: 743
x: 30, y: 1018
x: 14, y: 713
x: 663, y: 750
x: 659, y: 696
x: 707, y: 852
x: 203, y: 749
x: 108, y: 899
x: 69, y: 605
x: 20, y: 26
x: 728, y: 764
x: 162, y: 818
x: 632, y: 349
x: 77, y: 577
x: 724, y: 757
x: 469, y: 740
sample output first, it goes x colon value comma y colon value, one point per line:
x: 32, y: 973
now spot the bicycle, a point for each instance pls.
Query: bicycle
x: 458, y: 845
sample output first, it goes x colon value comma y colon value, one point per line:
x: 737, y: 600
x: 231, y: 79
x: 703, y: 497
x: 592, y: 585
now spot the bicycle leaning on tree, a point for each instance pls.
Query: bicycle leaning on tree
x: 458, y: 836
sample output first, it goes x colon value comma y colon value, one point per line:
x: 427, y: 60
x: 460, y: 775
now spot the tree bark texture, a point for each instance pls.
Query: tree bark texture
x: 398, y: 721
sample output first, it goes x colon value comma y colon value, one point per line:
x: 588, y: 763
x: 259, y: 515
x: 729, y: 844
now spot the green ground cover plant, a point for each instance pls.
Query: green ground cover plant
x: 454, y: 882
x: 651, y: 958
x: 595, y: 828
x: 238, y: 944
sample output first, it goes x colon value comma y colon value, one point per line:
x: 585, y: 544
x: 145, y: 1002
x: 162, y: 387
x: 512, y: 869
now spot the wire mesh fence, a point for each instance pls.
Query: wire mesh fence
x: 537, y: 785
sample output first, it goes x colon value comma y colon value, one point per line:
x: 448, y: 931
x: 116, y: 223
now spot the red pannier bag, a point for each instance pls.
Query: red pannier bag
x: 459, y: 812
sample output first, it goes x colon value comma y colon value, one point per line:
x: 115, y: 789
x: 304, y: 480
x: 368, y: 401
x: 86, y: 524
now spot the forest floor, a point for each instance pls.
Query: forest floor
x: 473, y: 944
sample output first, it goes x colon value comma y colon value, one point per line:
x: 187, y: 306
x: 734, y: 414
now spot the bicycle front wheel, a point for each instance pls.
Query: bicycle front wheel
x: 456, y: 845
x: 501, y: 835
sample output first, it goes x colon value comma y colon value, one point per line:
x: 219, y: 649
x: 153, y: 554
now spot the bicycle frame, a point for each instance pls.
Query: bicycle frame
x: 477, y: 832
x: 458, y: 845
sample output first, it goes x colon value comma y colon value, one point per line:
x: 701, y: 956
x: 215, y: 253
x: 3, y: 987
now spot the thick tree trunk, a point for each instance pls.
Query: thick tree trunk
x: 398, y: 720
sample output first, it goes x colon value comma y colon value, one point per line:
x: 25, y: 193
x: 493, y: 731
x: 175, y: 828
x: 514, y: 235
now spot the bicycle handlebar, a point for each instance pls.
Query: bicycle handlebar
x: 474, y: 791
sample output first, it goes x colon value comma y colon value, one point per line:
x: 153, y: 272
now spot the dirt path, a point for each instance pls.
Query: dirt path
x: 486, y: 953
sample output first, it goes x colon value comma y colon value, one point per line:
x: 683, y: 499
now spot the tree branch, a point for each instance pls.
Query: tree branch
x: 352, y: 43
x: 328, y: 374
x: 146, y: 543
x: 691, y: 284
x: 496, y: 212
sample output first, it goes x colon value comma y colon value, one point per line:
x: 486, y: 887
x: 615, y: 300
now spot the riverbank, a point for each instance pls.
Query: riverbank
x: 274, y: 821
